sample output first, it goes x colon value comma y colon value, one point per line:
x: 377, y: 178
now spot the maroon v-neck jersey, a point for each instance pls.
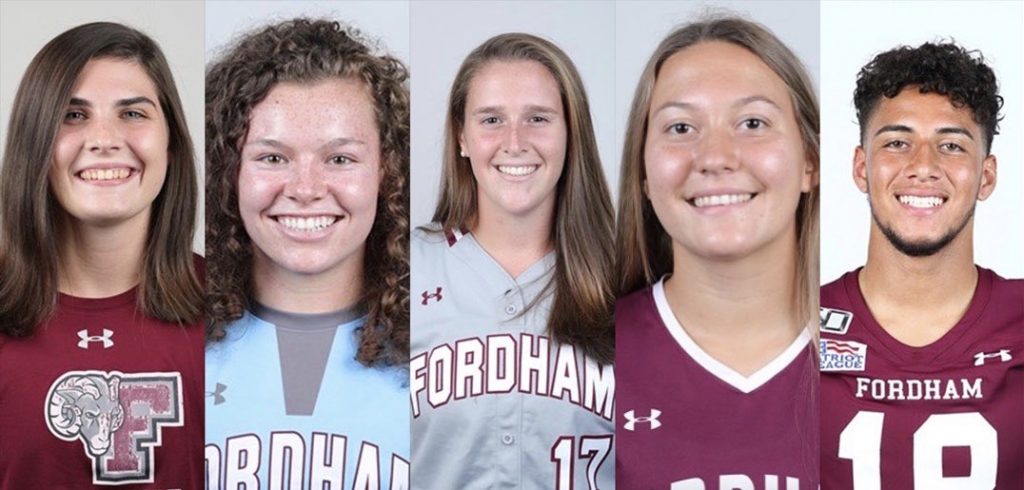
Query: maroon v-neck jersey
x: 687, y: 422
x: 102, y: 395
x: 949, y: 415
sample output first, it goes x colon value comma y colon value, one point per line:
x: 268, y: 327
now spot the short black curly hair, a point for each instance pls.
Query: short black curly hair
x: 943, y: 68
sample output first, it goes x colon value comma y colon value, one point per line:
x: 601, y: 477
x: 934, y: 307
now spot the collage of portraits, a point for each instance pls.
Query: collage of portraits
x: 520, y: 245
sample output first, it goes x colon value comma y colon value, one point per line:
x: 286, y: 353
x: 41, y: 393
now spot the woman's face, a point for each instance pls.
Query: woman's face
x: 515, y: 137
x: 724, y: 157
x: 309, y: 176
x: 110, y: 155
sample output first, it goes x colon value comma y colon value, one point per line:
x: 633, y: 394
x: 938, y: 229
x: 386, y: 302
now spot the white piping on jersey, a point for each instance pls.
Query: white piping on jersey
x: 745, y: 384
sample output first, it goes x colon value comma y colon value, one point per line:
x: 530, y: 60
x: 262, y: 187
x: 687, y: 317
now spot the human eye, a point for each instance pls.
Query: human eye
x: 133, y: 114
x: 680, y: 128
x: 490, y: 120
x: 952, y: 147
x: 539, y: 119
x: 74, y: 115
x: 272, y: 158
x: 896, y: 145
x: 754, y: 123
x: 340, y: 160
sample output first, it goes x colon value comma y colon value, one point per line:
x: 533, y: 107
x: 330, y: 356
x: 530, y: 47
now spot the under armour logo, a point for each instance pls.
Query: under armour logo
x: 86, y: 338
x: 632, y: 419
x: 217, y: 393
x: 1003, y: 355
x: 436, y: 295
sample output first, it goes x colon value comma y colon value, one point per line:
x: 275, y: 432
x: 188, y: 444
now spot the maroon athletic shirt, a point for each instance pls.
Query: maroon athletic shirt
x: 101, y: 395
x: 687, y: 422
x: 949, y: 415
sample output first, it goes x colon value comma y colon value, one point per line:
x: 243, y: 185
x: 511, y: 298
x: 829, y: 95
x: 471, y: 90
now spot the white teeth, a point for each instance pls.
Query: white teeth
x: 921, y: 201
x: 518, y: 170
x: 721, y: 200
x: 105, y: 174
x: 307, y: 224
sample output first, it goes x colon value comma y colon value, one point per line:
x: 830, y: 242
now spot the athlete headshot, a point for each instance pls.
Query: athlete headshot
x: 921, y: 349
x: 717, y: 251
x: 307, y: 193
x: 512, y: 328
x: 100, y: 294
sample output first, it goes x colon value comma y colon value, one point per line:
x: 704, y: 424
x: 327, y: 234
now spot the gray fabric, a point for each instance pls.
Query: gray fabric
x: 303, y: 345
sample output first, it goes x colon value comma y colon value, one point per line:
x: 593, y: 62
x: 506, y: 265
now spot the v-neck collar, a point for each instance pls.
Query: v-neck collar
x: 470, y: 250
x: 745, y: 384
x: 911, y: 355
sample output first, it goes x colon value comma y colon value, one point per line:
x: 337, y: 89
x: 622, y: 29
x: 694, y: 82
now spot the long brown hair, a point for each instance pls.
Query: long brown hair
x: 582, y: 284
x: 643, y: 248
x: 169, y: 289
x: 304, y: 50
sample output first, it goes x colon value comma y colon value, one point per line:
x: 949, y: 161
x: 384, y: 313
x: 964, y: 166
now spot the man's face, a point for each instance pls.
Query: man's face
x: 924, y: 165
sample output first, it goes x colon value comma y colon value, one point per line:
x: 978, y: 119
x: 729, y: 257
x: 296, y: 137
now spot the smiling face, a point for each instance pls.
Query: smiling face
x: 110, y: 155
x: 309, y: 177
x: 515, y: 137
x: 924, y: 166
x: 724, y: 158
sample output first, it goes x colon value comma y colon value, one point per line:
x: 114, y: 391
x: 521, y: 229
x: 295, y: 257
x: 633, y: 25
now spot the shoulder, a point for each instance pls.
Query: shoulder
x: 838, y: 291
x: 637, y: 303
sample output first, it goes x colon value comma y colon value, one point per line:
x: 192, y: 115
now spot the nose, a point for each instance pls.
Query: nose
x: 717, y: 154
x: 104, y: 136
x: 513, y: 144
x: 306, y: 183
x: 922, y: 166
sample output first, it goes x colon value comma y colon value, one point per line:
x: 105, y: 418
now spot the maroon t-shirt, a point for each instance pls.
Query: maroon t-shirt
x: 687, y: 422
x: 102, y: 395
x: 949, y: 415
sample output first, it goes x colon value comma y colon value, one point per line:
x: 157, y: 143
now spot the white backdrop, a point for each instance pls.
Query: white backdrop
x: 851, y: 34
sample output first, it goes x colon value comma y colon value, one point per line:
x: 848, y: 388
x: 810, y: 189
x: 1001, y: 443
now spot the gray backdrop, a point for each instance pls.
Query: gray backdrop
x: 177, y: 26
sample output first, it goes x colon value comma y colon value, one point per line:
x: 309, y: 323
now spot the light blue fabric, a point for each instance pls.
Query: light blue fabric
x: 245, y: 409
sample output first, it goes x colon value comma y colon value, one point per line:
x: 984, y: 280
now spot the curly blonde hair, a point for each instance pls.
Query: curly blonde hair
x: 307, y: 50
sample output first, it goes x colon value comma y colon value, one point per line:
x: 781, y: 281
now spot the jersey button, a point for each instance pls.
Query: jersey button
x: 507, y: 439
x: 511, y: 309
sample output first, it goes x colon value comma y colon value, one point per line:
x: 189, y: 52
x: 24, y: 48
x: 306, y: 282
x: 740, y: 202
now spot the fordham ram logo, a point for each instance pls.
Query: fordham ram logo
x: 117, y: 417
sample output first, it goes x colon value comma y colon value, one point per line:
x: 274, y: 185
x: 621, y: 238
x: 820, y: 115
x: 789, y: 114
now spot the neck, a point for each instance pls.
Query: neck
x: 892, y: 278
x: 515, y: 242
x: 747, y: 296
x: 98, y: 261
x: 285, y: 290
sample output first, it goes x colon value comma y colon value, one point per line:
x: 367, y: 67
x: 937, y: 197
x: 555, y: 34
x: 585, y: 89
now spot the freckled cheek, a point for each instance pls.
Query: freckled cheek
x: 258, y: 190
x: 357, y: 194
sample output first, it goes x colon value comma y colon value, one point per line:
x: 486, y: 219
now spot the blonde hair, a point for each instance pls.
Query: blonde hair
x: 582, y: 284
x: 643, y: 248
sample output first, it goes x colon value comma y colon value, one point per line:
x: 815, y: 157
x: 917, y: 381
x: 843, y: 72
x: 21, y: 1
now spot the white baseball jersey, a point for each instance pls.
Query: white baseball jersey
x: 495, y: 402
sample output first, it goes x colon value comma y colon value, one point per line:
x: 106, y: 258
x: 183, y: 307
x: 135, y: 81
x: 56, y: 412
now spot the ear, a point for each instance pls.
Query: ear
x: 809, y: 180
x: 462, y: 145
x: 988, y: 177
x: 860, y: 168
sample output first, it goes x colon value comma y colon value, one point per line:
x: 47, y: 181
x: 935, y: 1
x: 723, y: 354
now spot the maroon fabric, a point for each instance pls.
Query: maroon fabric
x: 712, y: 435
x: 951, y: 409
x: 152, y: 370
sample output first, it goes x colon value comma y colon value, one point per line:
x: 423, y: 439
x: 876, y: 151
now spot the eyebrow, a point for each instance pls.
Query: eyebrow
x: 739, y: 103
x: 901, y: 128
x: 756, y: 98
x: 530, y: 108
x: 78, y: 101
x: 330, y: 144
